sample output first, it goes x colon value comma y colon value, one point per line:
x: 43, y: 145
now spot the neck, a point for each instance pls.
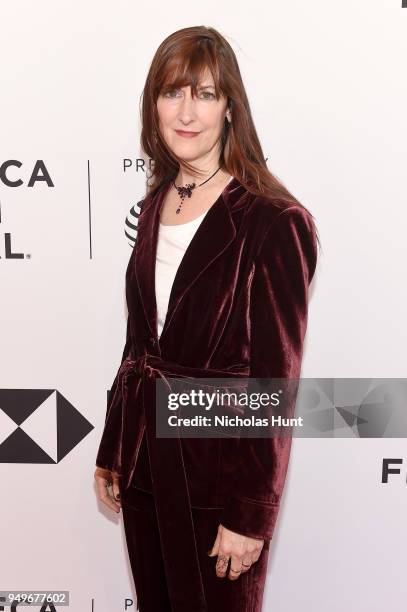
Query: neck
x: 184, y: 178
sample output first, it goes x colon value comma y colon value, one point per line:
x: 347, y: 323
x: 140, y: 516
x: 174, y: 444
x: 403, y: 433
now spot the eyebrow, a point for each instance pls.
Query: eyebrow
x: 206, y: 87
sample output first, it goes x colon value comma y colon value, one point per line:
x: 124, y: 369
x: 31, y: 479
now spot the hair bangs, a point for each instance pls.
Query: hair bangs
x: 191, y: 69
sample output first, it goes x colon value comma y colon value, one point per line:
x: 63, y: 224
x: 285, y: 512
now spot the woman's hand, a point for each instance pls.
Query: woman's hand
x: 104, y: 480
x: 241, y: 550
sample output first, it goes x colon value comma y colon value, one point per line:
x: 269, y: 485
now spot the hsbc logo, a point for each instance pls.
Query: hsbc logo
x: 38, y: 426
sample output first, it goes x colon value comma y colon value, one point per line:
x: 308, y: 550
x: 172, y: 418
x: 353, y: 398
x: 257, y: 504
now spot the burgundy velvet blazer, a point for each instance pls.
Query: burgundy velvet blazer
x: 239, y: 305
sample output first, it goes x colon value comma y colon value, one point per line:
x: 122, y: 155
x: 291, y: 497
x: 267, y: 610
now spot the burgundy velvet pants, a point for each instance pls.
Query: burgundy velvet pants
x: 145, y: 556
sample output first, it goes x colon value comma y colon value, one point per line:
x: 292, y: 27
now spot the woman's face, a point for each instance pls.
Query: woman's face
x: 191, y: 127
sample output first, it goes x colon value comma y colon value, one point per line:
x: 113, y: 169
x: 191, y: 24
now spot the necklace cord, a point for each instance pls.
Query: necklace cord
x: 186, y: 190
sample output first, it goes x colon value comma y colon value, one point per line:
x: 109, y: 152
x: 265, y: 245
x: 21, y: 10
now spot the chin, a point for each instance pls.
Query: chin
x: 186, y: 153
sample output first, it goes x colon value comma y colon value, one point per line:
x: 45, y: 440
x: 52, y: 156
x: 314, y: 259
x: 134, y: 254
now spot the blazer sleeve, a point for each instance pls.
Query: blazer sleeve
x: 109, y: 443
x: 284, y: 268
x: 107, y: 456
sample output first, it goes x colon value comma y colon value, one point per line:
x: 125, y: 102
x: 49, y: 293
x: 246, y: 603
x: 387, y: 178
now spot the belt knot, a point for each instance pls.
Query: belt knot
x: 144, y: 365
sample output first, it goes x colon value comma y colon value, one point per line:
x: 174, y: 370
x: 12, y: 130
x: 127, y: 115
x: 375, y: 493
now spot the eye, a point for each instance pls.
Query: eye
x: 210, y: 95
x: 169, y: 92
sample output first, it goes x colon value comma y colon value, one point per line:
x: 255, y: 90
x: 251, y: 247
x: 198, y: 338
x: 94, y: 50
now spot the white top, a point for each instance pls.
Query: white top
x: 173, y: 241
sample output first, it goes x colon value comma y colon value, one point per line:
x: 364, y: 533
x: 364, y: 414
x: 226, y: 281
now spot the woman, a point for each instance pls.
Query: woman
x: 216, y: 286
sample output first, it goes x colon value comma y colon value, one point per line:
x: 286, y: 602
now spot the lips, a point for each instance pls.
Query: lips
x: 184, y: 134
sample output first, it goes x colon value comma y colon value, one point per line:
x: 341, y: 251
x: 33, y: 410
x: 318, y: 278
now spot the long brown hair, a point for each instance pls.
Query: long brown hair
x: 181, y: 60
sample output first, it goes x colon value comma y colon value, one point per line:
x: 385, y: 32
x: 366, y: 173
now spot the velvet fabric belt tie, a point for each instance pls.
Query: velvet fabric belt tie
x: 131, y: 413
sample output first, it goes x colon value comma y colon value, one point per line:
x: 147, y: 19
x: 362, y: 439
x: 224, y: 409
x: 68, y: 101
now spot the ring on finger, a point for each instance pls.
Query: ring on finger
x: 222, y: 561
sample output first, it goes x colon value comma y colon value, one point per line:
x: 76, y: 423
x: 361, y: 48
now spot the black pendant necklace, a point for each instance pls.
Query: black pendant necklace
x: 186, y: 190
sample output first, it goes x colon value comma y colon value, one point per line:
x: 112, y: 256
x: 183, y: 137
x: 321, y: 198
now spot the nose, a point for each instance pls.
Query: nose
x: 187, y: 109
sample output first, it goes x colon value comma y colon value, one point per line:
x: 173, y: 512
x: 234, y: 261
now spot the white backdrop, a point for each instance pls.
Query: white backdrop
x: 328, y: 93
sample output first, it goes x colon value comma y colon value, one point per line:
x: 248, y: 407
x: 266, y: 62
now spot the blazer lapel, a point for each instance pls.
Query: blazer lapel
x: 214, y: 234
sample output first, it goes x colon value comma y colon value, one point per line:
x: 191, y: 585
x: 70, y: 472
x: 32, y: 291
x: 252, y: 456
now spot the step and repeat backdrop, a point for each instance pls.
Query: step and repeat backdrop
x: 328, y: 94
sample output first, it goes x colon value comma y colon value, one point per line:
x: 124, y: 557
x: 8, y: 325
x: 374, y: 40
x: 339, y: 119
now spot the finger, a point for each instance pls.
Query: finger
x: 116, y: 490
x: 104, y: 495
x: 246, y: 562
x: 215, y: 548
x: 235, y: 568
x: 222, y: 565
